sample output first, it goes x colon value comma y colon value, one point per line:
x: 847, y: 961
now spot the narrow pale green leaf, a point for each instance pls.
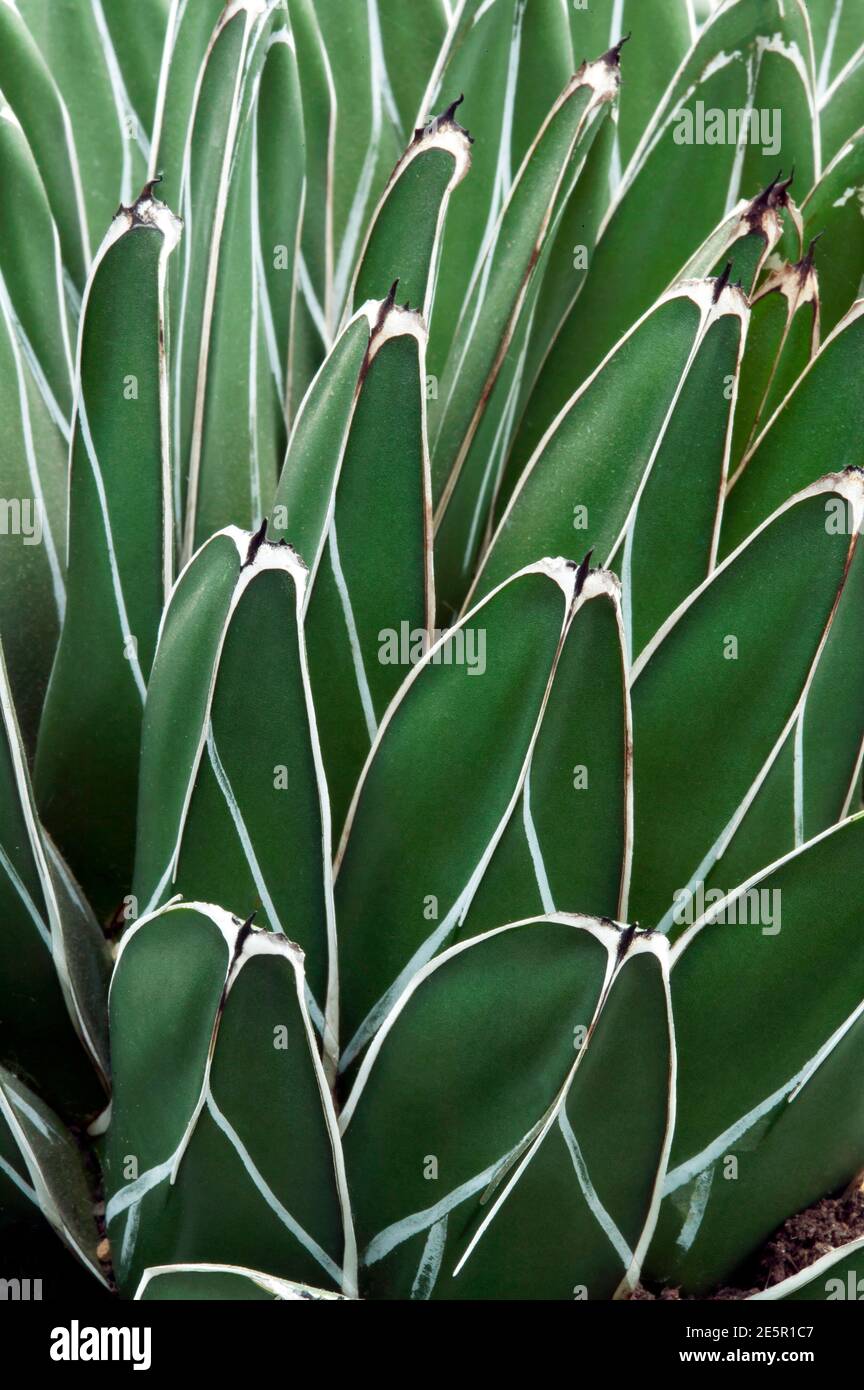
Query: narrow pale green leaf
x: 110, y: 136
x: 500, y: 300
x: 188, y: 34
x: 372, y: 594
x: 240, y: 435
x: 463, y: 731
x: 28, y: 85
x: 585, y: 481
x: 233, y: 801
x: 756, y: 1080
x: 808, y: 435
x: 840, y: 104
x: 561, y: 1145
x: 137, y: 34
x: 717, y: 691
x: 120, y: 561
x: 509, y: 59
x: 214, y: 160
x: 688, y: 171
x: 202, y: 1165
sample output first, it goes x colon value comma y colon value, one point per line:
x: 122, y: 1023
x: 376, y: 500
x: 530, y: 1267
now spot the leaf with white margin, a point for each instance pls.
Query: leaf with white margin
x: 462, y: 733
x: 840, y: 104
x: 41, y: 1164
x: 587, y: 479
x: 568, y: 842
x: 29, y: 87
x: 372, y: 592
x: 549, y: 1184
x: 746, y: 237
x: 223, y: 1144
x: 53, y: 960
x: 224, y: 93
x: 784, y: 335
x: 110, y: 136
x: 807, y: 435
x: 758, y: 1083
x: 242, y: 431
x: 721, y: 685
x: 508, y: 58
x: 660, y: 35
x: 837, y: 1275
x: 233, y: 802
x: 138, y: 33
x: 120, y: 556
x: 31, y: 272
x: 495, y: 314
x: 403, y: 240
x: 188, y: 33
x: 833, y: 211
x: 205, y: 1282
x: 751, y: 55
x: 815, y: 779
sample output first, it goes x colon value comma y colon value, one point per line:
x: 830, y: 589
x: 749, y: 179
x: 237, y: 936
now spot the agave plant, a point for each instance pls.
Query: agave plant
x: 432, y: 764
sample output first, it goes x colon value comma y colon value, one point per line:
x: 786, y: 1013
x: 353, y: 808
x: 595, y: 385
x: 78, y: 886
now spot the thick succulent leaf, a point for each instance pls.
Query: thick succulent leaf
x: 111, y: 137
x: 232, y: 1283
x: 303, y: 503
x: 201, y: 1165
x: 808, y: 435
x: 499, y: 297
x: 54, y: 974
x: 28, y: 85
x: 508, y: 58
x: 720, y: 687
x: 137, y: 34
x: 120, y: 556
x: 281, y: 191
x: 240, y: 435
x: 745, y: 238
x: 466, y: 745
x: 232, y: 793
x: 31, y: 272
x: 403, y: 240
x: 815, y: 778
x: 756, y: 1080
x: 372, y: 592
x: 586, y: 481
x: 368, y: 133
x: 660, y: 35
x: 784, y: 335
x: 840, y: 100
x: 838, y: 33
x: 41, y: 1166
x: 213, y: 152
x: 753, y: 55
x: 568, y: 841
x: 188, y: 33
x: 411, y: 39
x: 833, y: 211
x: 316, y: 312
x: 560, y: 1148
x: 834, y: 1276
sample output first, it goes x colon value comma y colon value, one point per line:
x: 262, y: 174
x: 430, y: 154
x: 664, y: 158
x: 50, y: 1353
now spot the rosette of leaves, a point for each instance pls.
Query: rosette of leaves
x: 448, y: 700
